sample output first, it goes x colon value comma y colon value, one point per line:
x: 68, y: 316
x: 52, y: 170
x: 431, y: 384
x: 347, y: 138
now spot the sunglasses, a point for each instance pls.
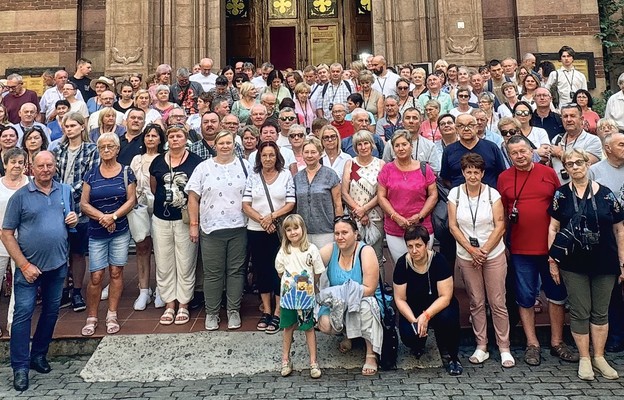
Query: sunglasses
x: 295, y: 135
x: 346, y: 218
x: 463, y: 96
x: 287, y: 118
x: 523, y: 113
x: 402, y: 87
x: 330, y: 138
x: 509, y: 132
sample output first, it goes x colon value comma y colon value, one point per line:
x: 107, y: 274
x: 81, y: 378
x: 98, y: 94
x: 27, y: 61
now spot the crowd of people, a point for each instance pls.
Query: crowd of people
x: 299, y: 178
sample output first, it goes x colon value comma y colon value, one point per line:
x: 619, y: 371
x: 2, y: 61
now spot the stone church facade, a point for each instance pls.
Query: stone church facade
x: 123, y: 36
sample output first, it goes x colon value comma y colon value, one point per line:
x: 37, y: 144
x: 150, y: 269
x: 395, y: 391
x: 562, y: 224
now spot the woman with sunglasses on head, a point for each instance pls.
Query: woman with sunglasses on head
x: 153, y: 146
x: 463, y: 105
x: 333, y: 156
x: 590, y: 272
x: 538, y: 137
x: 34, y: 141
x: 349, y: 259
x: 590, y: 118
x: 317, y: 188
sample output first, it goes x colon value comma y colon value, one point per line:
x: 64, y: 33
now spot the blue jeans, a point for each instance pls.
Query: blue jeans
x: 529, y: 269
x: 51, y: 283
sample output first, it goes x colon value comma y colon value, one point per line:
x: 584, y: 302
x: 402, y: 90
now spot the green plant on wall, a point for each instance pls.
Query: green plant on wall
x: 612, y: 32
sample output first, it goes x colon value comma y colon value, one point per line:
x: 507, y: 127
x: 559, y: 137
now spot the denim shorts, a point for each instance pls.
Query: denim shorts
x: 528, y: 271
x: 109, y: 251
x: 79, y: 240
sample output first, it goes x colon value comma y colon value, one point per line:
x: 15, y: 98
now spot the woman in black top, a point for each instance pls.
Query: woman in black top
x: 174, y: 251
x: 423, y: 294
x: 591, y: 271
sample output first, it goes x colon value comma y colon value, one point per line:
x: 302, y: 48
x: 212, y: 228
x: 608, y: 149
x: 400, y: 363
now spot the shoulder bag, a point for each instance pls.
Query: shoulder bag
x: 390, y: 344
x: 138, y: 218
x: 277, y: 222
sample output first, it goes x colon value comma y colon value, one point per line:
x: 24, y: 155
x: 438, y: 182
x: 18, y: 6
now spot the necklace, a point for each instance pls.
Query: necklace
x: 352, y: 259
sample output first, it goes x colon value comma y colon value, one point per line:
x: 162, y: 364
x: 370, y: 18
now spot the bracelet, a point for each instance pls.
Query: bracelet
x: 24, y: 266
x: 194, y: 223
x: 392, y: 216
x: 426, y: 314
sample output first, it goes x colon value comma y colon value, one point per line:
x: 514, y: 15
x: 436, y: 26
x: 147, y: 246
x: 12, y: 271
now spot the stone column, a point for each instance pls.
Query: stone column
x: 127, y: 47
x: 460, y: 32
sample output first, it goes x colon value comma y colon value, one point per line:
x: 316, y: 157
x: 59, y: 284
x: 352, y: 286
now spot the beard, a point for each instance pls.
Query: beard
x: 378, y: 71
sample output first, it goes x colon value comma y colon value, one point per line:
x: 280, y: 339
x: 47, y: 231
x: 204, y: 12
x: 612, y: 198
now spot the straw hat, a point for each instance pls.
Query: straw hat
x: 110, y: 84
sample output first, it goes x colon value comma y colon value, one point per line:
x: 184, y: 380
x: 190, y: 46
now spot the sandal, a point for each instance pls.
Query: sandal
x: 564, y: 352
x: 286, y: 368
x: 370, y: 369
x: 532, y: 355
x: 315, y: 371
x: 167, y: 317
x: 182, y: 317
x: 89, y: 328
x: 479, y: 356
x: 273, y: 326
x: 538, y: 306
x: 264, y: 322
x: 112, y: 325
x: 345, y: 346
x: 507, y: 360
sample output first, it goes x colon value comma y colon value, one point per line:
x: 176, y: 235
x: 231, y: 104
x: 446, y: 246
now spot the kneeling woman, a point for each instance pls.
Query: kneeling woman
x: 348, y: 259
x: 423, y: 294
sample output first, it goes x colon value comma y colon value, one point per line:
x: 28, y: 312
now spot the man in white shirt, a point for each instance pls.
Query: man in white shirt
x: 509, y: 68
x: 260, y: 81
x: 385, y: 80
x: 54, y: 94
x: 574, y: 137
x: 567, y: 79
x: 615, y: 104
x: 205, y: 77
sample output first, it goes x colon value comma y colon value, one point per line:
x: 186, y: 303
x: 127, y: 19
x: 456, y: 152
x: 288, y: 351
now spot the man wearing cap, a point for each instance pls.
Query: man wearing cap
x: 18, y: 95
x: 184, y: 92
x: 52, y: 95
x: 205, y: 77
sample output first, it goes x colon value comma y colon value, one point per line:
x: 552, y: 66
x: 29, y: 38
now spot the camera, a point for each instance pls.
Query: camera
x: 572, y: 95
x: 589, y: 238
x: 564, y: 174
x: 474, y: 242
x: 168, y: 196
x: 513, y: 216
x: 331, y: 105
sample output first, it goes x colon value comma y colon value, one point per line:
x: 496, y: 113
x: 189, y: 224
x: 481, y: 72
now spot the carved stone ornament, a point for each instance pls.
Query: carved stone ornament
x: 125, y: 60
x: 462, y: 49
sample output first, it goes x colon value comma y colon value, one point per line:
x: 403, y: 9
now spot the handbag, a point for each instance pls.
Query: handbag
x: 276, y: 221
x: 390, y: 344
x: 568, y: 239
x: 139, y: 220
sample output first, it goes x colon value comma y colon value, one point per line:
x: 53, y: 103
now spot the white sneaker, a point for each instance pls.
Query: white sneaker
x: 212, y: 322
x: 104, y: 295
x: 142, y: 301
x: 158, y: 301
x: 234, y: 320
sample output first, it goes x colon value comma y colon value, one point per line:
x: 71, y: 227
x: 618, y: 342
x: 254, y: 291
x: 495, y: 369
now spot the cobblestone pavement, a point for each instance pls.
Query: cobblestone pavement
x: 552, y: 380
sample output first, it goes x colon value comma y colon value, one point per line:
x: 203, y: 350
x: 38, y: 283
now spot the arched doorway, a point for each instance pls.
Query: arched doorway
x: 296, y: 33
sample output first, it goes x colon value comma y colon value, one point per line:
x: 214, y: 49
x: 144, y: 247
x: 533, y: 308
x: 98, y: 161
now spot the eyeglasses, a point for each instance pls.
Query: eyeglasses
x: 402, y: 87
x: 287, y: 118
x: 462, y: 127
x: 107, y: 147
x: 295, y: 135
x: 570, y: 164
x: 463, y: 96
x: 11, y: 87
x: 523, y: 113
x: 330, y: 138
x: 509, y: 132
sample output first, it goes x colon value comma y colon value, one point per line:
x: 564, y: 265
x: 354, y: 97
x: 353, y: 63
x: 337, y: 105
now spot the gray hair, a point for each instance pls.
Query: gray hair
x: 296, y: 128
x: 362, y: 136
x: 183, y: 72
x: 392, y: 97
x: 108, y: 136
x: 620, y: 79
x: 15, y: 77
x: 285, y: 110
x: 358, y: 111
x: 162, y: 87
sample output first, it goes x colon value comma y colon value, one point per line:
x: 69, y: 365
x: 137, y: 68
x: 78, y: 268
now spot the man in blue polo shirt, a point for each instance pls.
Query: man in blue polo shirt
x: 469, y: 142
x: 40, y: 212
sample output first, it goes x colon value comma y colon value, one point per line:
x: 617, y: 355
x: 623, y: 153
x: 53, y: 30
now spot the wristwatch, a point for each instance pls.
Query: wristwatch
x: 114, y: 217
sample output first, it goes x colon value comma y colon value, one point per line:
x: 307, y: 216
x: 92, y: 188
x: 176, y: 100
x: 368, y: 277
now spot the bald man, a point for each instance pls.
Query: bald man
x: 205, y: 76
x: 385, y: 80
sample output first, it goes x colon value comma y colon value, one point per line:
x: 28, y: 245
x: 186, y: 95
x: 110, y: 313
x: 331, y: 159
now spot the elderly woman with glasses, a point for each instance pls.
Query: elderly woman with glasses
x: 594, y: 215
x: 108, y: 195
x: 359, y: 191
x: 463, y: 107
x: 333, y: 157
x: 429, y: 128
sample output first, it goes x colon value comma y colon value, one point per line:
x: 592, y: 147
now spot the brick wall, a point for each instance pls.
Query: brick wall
x: 498, y: 28
x: 12, y: 5
x: 94, y: 4
x: 92, y: 40
x: 32, y: 42
x: 558, y: 25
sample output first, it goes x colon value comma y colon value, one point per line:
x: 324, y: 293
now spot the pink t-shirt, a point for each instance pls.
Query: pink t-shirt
x: 407, y: 192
